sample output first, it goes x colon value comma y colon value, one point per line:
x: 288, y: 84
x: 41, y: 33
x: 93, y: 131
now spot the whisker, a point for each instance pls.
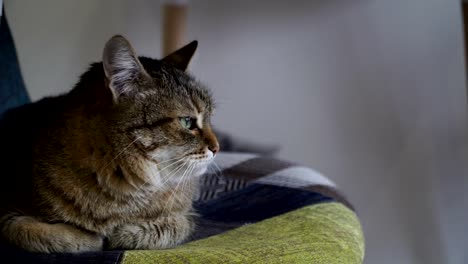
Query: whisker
x: 185, y: 181
x: 174, y: 172
x: 170, y: 199
x: 184, y: 176
x: 172, y: 193
x: 179, y: 160
x: 181, y: 156
x: 124, y: 149
x: 119, y: 154
x: 161, y: 170
x: 218, y: 171
x: 189, y: 175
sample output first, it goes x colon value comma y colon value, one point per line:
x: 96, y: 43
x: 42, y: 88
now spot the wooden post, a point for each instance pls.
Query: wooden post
x: 174, y: 26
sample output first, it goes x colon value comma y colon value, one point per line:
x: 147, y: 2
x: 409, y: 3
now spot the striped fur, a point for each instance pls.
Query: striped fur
x: 108, y: 161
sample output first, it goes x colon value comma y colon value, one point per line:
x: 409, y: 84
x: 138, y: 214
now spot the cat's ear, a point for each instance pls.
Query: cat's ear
x: 181, y: 57
x: 121, y: 65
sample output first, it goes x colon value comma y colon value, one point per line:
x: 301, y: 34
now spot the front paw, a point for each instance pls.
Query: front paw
x: 161, y: 233
x: 126, y: 237
x: 80, y: 241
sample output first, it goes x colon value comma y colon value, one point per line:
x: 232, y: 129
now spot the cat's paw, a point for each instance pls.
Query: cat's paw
x: 160, y: 233
x: 126, y: 237
x: 32, y: 235
x: 75, y: 241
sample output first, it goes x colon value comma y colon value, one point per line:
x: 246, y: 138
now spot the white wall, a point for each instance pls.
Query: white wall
x: 371, y: 93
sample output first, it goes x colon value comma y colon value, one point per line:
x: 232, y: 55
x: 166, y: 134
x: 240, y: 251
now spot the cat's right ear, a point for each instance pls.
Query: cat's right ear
x: 182, y: 57
x: 121, y: 66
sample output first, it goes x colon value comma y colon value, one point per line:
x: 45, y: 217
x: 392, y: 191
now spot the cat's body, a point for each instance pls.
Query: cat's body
x: 109, y: 160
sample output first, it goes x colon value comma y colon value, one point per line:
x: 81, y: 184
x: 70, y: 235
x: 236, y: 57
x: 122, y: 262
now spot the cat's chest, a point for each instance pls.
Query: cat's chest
x: 101, y: 213
x: 97, y: 210
x: 147, y: 202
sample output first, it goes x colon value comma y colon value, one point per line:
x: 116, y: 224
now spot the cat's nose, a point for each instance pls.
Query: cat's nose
x: 214, y: 147
x: 211, y: 141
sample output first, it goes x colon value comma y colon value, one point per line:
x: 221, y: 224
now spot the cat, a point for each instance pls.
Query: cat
x: 112, y: 164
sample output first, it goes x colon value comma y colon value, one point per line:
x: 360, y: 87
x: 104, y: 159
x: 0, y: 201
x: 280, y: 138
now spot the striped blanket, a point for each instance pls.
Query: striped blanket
x: 233, y: 171
x: 253, y: 209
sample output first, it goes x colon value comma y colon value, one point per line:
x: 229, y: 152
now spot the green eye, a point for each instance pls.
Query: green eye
x: 188, y: 123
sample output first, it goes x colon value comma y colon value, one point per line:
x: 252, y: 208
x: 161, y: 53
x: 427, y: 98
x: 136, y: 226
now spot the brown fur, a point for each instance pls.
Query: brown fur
x: 103, y: 160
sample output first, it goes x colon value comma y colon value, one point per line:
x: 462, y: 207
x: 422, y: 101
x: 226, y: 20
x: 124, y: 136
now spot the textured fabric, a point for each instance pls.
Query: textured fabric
x: 234, y: 171
x: 252, y: 204
x: 323, y: 233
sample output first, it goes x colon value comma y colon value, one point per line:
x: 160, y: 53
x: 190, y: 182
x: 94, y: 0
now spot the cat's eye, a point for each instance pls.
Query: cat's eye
x: 188, y: 122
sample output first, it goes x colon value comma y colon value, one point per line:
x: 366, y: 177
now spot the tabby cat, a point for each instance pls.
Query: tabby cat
x: 111, y: 164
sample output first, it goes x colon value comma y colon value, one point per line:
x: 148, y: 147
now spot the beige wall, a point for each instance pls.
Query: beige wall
x: 371, y: 93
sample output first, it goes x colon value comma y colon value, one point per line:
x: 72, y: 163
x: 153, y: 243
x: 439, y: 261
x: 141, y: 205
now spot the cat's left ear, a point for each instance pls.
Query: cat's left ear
x: 181, y: 58
x: 122, y: 68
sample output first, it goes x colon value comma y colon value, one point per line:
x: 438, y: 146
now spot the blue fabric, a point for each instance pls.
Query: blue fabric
x: 257, y: 202
x: 12, y: 90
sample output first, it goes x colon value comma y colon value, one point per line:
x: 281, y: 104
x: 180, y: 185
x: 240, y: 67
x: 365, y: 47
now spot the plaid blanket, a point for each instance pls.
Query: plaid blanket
x: 252, y: 209
x: 233, y: 171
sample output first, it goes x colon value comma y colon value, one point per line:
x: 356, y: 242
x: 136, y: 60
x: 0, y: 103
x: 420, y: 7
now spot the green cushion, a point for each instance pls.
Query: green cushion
x: 322, y: 233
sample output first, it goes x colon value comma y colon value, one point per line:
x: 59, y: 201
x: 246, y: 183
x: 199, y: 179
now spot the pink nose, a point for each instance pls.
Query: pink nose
x: 211, y: 141
x: 214, y: 148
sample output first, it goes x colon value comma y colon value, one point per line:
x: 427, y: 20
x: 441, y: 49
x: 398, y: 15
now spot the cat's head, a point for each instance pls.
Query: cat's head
x: 160, y: 114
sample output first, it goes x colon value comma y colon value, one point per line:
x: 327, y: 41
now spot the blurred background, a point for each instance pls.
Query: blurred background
x: 370, y: 93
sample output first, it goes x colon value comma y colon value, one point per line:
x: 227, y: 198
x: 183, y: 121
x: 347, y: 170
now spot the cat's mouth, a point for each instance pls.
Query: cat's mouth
x: 193, y: 164
x: 201, y: 156
x: 200, y: 160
